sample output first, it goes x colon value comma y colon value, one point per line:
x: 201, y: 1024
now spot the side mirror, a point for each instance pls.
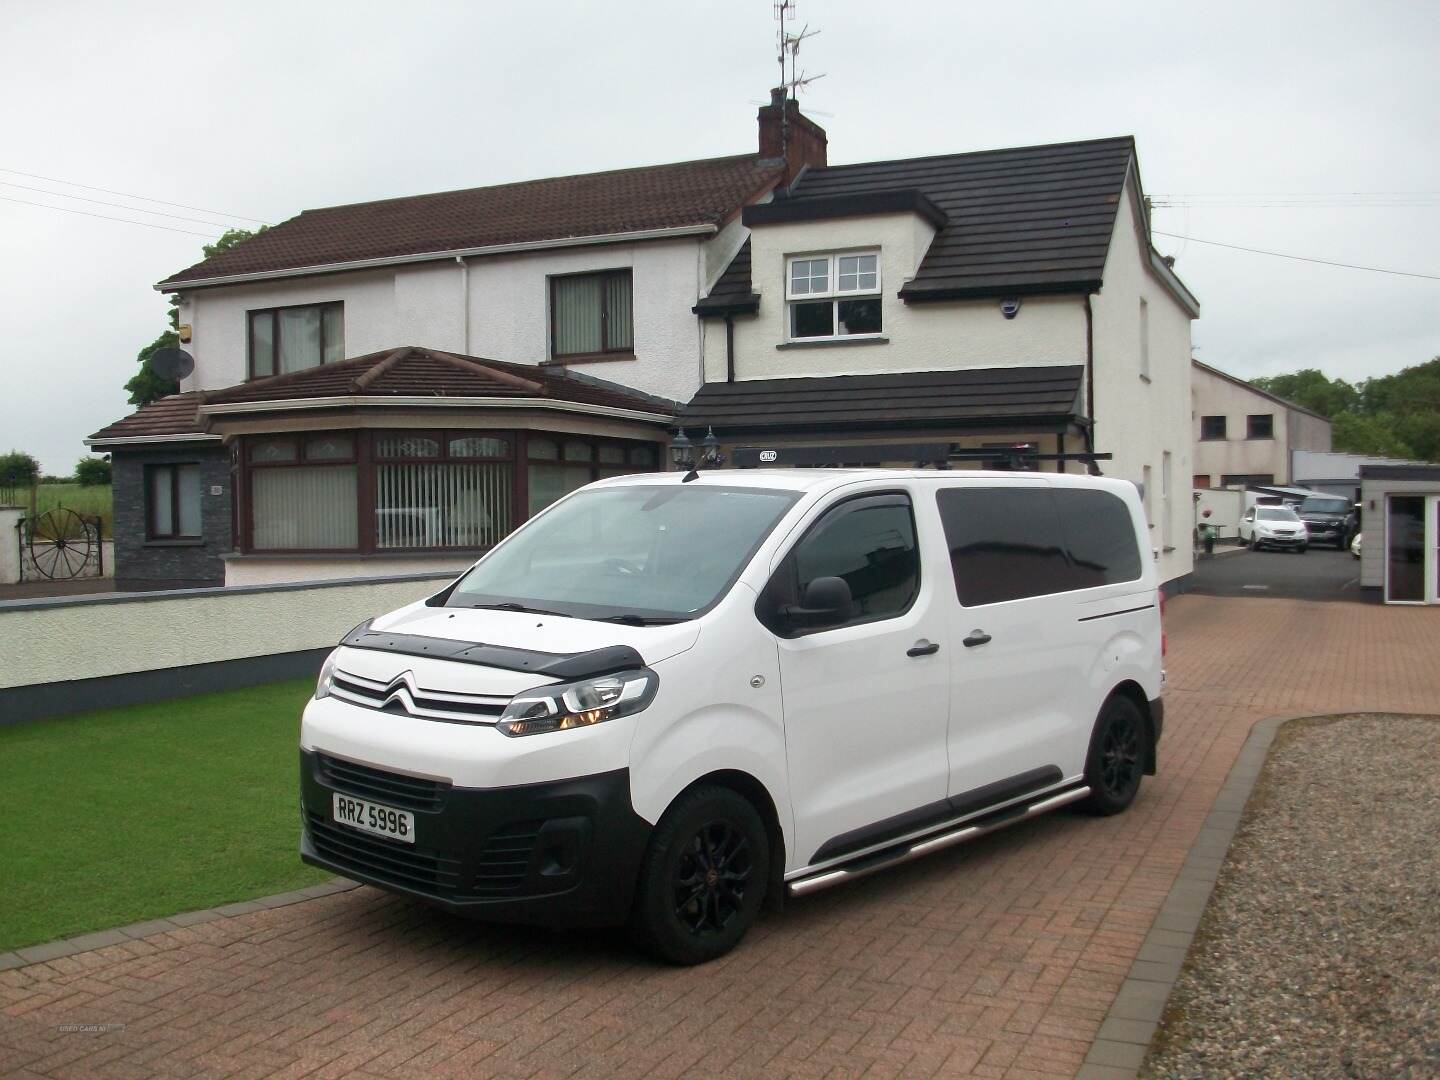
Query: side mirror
x: 826, y: 602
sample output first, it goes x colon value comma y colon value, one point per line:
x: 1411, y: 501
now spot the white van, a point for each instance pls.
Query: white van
x: 667, y: 703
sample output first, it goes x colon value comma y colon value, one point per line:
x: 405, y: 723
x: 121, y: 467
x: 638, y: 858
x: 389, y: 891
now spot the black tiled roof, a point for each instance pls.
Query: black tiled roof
x: 732, y: 294
x: 1033, y: 219
x: 972, y: 398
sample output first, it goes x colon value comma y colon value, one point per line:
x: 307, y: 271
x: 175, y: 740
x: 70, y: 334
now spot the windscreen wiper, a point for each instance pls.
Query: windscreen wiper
x: 641, y: 620
x: 524, y: 608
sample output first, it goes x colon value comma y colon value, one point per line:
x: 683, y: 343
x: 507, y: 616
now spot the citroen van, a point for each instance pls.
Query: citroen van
x: 669, y: 702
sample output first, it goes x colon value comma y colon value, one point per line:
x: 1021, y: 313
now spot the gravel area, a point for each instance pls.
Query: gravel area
x: 1319, y: 953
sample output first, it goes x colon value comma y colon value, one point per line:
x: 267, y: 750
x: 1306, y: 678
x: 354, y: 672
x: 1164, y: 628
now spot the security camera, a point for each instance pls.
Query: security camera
x: 1010, y: 307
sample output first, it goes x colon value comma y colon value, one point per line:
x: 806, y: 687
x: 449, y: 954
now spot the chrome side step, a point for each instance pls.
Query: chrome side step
x: 901, y: 853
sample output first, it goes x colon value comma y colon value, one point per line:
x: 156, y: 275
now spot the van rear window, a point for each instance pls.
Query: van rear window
x: 1013, y: 543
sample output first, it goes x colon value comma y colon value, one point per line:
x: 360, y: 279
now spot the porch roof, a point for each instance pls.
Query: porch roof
x: 969, y: 399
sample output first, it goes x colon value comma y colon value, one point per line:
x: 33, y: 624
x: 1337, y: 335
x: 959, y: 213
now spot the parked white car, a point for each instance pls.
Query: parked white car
x: 668, y: 703
x: 1273, y: 527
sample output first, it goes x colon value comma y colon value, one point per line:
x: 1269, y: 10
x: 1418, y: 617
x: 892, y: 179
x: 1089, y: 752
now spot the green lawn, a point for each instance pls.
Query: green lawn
x: 127, y: 814
x: 85, y: 501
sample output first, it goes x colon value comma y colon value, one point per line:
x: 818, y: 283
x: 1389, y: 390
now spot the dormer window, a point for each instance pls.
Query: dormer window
x: 834, y: 295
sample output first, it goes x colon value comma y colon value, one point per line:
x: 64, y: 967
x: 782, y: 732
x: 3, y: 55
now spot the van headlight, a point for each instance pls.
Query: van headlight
x: 327, y: 676
x: 565, y: 706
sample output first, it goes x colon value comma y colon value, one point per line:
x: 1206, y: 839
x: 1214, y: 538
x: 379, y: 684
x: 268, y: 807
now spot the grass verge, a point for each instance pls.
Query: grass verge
x: 126, y: 814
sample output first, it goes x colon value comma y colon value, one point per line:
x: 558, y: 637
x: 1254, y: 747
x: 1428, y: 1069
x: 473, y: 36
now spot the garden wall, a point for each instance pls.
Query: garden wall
x: 71, y: 653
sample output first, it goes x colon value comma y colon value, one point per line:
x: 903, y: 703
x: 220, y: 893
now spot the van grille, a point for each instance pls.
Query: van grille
x: 383, y: 860
x: 411, y: 792
x: 502, y: 862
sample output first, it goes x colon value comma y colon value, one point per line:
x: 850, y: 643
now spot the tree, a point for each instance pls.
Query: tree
x: 147, y: 386
x: 92, y: 471
x: 1312, y: 389
x: 18, y: 470
x: 1351, y: 433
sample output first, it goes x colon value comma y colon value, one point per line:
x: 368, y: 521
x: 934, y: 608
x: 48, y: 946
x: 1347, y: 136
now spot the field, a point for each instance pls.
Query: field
x: 85, y: 501
x: 145, y: 811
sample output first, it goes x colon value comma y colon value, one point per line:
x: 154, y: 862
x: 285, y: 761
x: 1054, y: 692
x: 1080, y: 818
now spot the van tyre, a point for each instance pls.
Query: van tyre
x: 703, y: 877
x: 1117, y: 757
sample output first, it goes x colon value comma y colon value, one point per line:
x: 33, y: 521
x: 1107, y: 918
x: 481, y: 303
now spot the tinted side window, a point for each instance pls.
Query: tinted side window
x: 1005, y: 543
x: 871, y: 544
x: 1099, y: 536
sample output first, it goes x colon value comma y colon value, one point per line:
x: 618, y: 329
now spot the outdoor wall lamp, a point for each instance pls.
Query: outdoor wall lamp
x: 682, y: 453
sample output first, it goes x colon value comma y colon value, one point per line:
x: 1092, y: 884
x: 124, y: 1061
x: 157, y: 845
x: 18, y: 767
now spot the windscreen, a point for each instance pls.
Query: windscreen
x: 1276, y: 513
x: 1315, y: 505
x: 633, y: 553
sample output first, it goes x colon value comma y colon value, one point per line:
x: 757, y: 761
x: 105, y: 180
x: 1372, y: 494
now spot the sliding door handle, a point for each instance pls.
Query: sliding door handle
x: 923, y: 648
x: 977, y: 637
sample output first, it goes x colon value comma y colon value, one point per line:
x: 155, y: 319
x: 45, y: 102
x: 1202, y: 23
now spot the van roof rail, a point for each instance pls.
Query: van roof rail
x: 925, y: 455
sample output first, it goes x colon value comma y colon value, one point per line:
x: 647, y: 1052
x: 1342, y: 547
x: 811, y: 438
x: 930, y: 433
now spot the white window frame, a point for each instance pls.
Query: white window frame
x: 832, y: 292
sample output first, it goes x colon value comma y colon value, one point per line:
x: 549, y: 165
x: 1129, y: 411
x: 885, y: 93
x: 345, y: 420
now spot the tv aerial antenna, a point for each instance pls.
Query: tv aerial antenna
x: 793, y: 78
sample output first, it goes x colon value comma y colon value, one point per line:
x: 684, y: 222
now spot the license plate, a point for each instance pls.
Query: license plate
x: 373, y: 818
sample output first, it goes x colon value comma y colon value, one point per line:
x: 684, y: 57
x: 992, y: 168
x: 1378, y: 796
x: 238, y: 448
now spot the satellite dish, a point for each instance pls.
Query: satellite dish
x: 172, y: 364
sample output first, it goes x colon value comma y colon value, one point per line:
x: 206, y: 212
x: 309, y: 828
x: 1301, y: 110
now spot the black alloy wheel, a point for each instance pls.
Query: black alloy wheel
x: 1116, y: 760
x: 703, y: 878
x: 711, y: 877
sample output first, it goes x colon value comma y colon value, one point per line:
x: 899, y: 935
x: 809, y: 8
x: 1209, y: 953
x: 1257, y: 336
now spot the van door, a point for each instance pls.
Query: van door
x: 866, y: 700
x: 1019, y: 664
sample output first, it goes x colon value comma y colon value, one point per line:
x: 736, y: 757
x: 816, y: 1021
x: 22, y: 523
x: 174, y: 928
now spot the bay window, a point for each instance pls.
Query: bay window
x: 289, y: 339
x: 434, y: 490
x: 590, y: 315
x: 415, y: 490
x: 833, y: 295
x: 303, y: 493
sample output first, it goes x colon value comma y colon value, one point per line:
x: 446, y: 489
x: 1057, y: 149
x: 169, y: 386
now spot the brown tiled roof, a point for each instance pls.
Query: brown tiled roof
x: 173, y: 415
x: 411, y: 371
x: 689, y: 193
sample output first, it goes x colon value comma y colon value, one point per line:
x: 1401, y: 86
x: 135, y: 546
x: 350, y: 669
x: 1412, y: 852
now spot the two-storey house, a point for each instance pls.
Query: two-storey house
x: 1245, y: 435
x: 1005, y: 299
x: 391, y: 386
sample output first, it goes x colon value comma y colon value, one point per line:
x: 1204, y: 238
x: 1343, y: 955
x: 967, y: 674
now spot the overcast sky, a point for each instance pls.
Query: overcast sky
x: 264, y: 108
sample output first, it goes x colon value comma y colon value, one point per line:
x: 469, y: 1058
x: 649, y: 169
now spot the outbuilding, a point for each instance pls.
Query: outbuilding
x: 1401, y: 542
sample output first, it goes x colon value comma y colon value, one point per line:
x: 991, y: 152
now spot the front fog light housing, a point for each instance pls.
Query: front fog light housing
x: 567, y: 706
x: 327, y: 676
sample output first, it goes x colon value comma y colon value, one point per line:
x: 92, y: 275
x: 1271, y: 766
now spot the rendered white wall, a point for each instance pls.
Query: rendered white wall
x: 273, y: 570
x: 1139, y: 420
x: 510, y: 310
x: 164, y: 631
x: 508, y: 299
x: 922, y: 337
x: 10, y: 517
x: 413, y: 305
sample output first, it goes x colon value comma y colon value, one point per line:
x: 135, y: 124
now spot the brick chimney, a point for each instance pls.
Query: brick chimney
x: 804, y: 140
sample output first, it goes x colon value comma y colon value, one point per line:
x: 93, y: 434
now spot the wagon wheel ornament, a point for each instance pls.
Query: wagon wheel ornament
x: 61, y: 544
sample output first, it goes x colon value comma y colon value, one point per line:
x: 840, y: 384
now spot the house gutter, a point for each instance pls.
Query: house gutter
x: 150, y: 440
x: 432, y: 256
x: 354, y: 401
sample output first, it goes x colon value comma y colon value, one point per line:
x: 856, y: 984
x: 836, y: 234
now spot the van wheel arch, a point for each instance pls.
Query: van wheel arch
x: 1136, y: 693
x: 758, y: 796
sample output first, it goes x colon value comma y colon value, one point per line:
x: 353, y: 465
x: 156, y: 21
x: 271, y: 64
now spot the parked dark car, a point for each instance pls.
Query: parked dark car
x: 1330, y: 519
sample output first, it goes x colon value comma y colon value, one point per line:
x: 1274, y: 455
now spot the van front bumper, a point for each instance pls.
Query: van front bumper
x: 564, y: 852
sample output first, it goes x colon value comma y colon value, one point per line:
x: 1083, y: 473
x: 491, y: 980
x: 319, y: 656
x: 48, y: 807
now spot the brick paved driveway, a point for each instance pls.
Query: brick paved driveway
x: 999, y: 959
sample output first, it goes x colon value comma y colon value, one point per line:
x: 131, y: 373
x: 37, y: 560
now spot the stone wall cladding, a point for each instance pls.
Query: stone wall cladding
x: 147, y: 564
